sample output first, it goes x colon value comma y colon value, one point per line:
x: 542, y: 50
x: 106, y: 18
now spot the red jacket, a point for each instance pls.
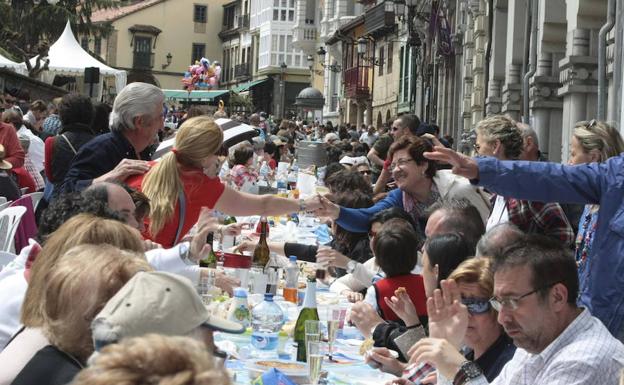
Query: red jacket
x: 413, y: 284
x: 13, y: 152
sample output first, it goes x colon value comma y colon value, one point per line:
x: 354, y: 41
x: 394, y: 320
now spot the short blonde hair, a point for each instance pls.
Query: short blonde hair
x: 476, y: 270
x: 154, y: 359
x: 80, y: 229
x: 600, y: 136
x: 79, y: 286
x: 197, y: 138
x: 504, y: 129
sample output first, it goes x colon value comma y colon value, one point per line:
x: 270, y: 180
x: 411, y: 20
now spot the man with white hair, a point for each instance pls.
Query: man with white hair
x: 136, y: 118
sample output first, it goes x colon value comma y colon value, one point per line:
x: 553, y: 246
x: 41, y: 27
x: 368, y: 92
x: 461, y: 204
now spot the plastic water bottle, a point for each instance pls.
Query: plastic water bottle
x: 265, y: 170
x: 267, y: 319
x: 292, y: 276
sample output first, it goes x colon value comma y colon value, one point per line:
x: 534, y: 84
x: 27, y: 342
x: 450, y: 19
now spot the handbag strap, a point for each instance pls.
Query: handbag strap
x: 182, y: 204
x: 69, y: 143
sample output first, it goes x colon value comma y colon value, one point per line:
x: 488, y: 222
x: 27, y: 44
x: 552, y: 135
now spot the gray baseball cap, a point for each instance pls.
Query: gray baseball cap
x: 156, y: 302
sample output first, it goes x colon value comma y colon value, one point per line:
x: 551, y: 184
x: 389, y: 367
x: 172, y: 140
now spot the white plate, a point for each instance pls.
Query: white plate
x: 298, y: 376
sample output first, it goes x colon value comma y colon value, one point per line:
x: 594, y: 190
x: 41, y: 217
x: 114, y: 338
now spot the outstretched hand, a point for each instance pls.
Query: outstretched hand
x: 462, y: 165
x: 322, y: 207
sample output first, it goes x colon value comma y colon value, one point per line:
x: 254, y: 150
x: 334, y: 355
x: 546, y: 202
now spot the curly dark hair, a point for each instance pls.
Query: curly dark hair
x: 67, y: 205
x: 345, y: 181
x: 76, y: 108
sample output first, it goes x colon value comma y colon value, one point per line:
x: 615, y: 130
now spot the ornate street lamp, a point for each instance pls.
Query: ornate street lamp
x: 321, y: 55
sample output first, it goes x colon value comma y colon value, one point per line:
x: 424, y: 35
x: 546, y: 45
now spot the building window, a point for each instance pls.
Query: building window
x: 200, y: 14
x: 142, y: 52
x: 381, y: 60
x: 97, y: 46
x: 199, y: 51
x: 84, y: 43
x: 390, y: 53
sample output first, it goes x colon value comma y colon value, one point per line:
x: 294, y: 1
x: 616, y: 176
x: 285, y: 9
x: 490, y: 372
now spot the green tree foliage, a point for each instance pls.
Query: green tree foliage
x: 28, y: 27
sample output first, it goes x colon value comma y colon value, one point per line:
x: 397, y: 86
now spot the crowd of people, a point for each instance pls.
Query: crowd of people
x: 496, y: 266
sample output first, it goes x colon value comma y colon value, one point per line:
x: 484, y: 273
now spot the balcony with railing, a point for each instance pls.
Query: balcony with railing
x: 143, y: 60
x: 242, y: 70
x: 304, y: 37
x: 242, y: 21
x: 356, y: 82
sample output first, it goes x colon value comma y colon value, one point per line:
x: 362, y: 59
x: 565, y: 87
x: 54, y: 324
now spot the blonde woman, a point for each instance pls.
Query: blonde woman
x: 592, y: 141
x: 154, y: 359
x: 188, y: 174
x: 78, y: 230
x: 77, y: 288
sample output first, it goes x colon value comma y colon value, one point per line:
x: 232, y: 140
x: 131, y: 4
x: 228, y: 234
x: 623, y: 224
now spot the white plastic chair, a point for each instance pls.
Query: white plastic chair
x: 6, y: 258
x: 23, y: 190
x: 10, y: 219
x: 5, y: 205
x: 36, y: 198
x: 3, y: 200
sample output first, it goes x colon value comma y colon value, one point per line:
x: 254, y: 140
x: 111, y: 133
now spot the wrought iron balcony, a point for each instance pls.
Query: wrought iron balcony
x: 379, y: 19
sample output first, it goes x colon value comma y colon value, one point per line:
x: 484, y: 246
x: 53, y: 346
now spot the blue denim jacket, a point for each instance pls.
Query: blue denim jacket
x: 596, y: 183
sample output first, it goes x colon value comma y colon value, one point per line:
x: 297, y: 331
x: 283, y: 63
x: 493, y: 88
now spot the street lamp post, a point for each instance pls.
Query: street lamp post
x: 282, y: 109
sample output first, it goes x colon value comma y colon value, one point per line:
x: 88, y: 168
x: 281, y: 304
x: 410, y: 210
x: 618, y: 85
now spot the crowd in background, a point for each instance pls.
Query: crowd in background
x: 494, y: 261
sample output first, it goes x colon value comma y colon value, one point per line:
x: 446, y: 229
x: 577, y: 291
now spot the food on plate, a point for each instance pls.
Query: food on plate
x: 281, y: 365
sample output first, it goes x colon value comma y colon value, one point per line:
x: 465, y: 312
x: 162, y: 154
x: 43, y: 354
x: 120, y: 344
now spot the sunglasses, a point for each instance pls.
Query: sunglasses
x: 477, y: 305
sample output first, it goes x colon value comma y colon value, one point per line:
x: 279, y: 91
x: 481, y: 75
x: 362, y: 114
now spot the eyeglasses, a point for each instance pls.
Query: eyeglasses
x: 511, y: 303
x: 400, y: 163
x: 477, y: 305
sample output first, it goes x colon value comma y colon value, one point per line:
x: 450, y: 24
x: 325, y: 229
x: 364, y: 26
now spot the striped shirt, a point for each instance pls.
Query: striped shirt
x: 584, y: 353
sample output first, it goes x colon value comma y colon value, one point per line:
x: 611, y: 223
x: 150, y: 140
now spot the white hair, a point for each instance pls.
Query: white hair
x: 134, y: 100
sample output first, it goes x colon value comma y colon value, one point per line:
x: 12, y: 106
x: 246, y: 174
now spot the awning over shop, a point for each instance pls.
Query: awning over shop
x: 198, y: 95
x: 246, y: 86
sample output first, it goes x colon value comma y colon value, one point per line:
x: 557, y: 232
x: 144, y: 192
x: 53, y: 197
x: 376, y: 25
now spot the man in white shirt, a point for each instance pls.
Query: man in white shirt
x: 369, y: 137
x: 535, y: 291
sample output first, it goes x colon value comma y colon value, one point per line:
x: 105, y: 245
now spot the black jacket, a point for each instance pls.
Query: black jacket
x: 50, y: 366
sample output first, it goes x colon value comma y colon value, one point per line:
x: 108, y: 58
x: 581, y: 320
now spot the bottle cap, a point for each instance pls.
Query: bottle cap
x: 240, y: 292
x: 292, y: 258
x: 268, y: 297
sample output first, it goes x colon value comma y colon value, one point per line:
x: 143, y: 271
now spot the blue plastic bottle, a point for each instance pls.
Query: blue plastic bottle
x: 267, y: 319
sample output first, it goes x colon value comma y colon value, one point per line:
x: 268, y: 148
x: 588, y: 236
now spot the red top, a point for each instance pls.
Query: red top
x: 13, y: 152
x: 24, y: 179
x: 272, y: 164
x: 413, y: 284
x: 199, y: 191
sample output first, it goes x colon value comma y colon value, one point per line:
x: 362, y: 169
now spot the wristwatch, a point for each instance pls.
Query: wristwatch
x: 468, y: 370
x: 351, y: 265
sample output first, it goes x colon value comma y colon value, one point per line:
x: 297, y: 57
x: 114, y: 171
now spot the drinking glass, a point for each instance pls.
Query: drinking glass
x: 312, y: 332
x: 333, y: 325
x: 315, y: 361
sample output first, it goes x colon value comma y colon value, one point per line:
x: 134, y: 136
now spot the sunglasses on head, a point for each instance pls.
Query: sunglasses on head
x: 477, y: 305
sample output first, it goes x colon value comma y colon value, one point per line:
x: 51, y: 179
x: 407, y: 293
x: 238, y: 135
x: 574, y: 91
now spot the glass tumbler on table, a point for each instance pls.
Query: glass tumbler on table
x: 315, y: 361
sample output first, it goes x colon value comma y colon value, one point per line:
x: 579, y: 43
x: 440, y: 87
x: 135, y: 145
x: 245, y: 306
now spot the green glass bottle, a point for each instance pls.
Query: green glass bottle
x: 308, y: 312
x: 211, y: 259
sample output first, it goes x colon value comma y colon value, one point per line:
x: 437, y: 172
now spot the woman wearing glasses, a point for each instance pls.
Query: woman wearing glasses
x: 419, y: 184
x: 185, y: 180
x: 485, y: 342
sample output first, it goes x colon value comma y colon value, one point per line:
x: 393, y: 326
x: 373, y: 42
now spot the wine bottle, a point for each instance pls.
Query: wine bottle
x: 261, y: 252
x: 211, y: 259
x: 308, y: 312
x: 228, y: 241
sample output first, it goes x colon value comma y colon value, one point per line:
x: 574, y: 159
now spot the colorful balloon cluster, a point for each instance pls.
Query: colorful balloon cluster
x: 202, y: 75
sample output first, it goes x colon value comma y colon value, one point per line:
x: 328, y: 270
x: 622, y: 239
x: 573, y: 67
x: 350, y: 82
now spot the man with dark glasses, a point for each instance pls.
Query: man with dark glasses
x: 535, y: 291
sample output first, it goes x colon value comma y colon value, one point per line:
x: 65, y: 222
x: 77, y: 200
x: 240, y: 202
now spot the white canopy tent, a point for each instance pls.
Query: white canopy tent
x: 68, y: 57
x: 17, y: 67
